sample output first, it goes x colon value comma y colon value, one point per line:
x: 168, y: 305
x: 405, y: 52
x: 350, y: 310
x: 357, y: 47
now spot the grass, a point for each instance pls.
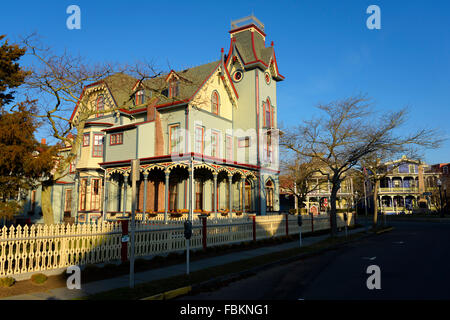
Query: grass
x: 162, y: 285
x: 39, y: 278
x: 7, y: 282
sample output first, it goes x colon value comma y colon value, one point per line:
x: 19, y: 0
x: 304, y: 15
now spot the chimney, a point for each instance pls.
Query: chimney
x: 43, y: 141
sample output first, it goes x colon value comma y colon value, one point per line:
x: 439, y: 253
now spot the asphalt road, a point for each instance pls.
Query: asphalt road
x: 414, y: 261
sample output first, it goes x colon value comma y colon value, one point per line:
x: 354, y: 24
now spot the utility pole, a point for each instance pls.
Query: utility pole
x: 134, y: 177
x: 365, y: 200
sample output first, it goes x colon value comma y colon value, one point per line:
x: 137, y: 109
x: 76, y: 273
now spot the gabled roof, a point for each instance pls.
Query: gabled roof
x: 122, y: 86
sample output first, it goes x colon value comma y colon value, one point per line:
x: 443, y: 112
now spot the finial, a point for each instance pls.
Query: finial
x: 271, y: 44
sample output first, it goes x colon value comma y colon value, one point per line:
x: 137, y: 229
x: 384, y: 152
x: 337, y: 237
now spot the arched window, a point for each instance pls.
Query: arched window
x: 215, y: 102
x: 269, y: 195
x: 268, y: 114
x: 100, y: 103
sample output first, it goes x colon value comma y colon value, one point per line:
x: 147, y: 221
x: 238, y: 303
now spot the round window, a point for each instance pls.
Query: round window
x: 238, y: 75
x: 267, y: 77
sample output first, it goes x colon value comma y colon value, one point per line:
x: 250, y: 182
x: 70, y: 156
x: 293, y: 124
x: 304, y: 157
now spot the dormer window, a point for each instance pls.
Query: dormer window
x: 140, y: 98
x: 174, y: 88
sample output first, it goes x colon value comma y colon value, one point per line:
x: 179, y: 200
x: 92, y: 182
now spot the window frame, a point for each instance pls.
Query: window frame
x: 97, y: 103
x: 83, y: 193
x: 88, y: 140
x: 215, y: 96
x: 268, y: 112
x: 114, y: 143
x: 174, y: 88
x: 217, y: 144
x: 67, y: 204
x: 196, y: 140
x: 96, y: 201
x: 95, y: 147
x: 246, y: 141
x: 178, y: 138
x: 139, y: 97
x: 229, y: 147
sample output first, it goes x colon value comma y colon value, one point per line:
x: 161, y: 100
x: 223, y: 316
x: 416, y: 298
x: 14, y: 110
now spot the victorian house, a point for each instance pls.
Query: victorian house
x: 213, y: 126
x: 408, y: 186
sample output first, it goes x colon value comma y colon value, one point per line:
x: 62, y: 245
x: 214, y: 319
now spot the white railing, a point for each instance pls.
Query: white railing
x: 41, y: 247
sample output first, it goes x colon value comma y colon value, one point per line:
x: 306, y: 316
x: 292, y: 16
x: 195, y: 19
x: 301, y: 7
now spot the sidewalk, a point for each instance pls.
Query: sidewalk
x: 162, y: 273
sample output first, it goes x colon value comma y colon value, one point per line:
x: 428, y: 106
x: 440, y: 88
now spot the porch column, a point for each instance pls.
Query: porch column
x: 215, y: 193
x: 106, y: 197
x: 144, y: 205
x: 166, y: 196
x: 243, y: 194
x: 125, y: 183
x: 230, y: 198
x: 191, y: 190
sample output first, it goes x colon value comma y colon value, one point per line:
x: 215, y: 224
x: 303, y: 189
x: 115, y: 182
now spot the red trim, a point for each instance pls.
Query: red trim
x: 247, y: 27
x: 63, y: 182
x: 187, y: 155
x: 98, y: 123
x: 231, y: 81
x: 256, y: 61
x: 276, y: 65
x: 215, y: 69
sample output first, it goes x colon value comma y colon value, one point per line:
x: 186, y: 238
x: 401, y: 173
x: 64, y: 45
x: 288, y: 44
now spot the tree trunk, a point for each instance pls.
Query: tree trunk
x: 333, y: 197
x: 46, y: 203
x: 375, y: 203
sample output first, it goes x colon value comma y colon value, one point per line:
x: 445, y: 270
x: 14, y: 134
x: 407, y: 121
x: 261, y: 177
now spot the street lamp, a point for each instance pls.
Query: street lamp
x: 439, y: 183
x: 445, y: 196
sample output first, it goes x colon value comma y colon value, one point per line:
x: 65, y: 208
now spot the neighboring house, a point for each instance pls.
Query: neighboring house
x: 318, y: 200
x: 61, y: 197
x: 444, y: 170
x: 221, y: 116
x: 408, y: 186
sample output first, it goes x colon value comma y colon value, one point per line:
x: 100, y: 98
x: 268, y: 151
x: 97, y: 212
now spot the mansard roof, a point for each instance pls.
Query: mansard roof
x: 249, y: 43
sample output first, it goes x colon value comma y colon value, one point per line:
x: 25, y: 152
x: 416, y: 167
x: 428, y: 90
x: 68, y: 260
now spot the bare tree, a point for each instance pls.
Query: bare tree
x: 298, y: 174
x: 347, y: 131
x: 61, y: 81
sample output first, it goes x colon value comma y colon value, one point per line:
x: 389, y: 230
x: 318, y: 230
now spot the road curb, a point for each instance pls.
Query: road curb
x: 385, y: 230
x: 169, y: 294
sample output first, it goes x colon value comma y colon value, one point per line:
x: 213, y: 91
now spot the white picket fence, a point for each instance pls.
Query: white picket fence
x: 41, y: 247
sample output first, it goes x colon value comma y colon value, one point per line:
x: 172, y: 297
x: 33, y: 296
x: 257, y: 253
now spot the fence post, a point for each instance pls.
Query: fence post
x: 287, y: 224
x: 204, y: 232
x: 124, y: 251
x: 253, y: 225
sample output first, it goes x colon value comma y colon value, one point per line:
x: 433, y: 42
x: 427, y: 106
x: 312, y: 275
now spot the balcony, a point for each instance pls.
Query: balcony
x: 404, y: 190
x: 399, y: 190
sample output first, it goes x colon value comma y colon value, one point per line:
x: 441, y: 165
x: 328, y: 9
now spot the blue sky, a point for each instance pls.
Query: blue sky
x: 323, y: 48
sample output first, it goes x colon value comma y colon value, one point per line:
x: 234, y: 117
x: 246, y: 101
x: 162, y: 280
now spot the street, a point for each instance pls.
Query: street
x: 414, y: 261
